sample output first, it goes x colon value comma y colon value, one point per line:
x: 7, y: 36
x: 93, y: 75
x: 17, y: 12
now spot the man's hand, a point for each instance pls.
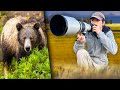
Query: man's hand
x: 80, y: 38
x: 96, y: 29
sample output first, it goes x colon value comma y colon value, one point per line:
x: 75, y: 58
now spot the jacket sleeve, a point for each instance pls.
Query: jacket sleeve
x: 108, y: 41
x: 77, y: 46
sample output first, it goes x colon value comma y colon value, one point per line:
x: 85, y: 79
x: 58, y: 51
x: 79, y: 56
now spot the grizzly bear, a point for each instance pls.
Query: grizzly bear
x: 19, y: 36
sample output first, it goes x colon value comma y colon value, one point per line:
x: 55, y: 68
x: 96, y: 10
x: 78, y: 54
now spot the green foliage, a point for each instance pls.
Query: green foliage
x: 0, y: 29
x: 1, y: 70
x: 34, y: 66
x: 2, y: 13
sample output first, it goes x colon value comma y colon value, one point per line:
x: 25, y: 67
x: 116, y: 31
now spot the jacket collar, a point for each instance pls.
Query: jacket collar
x: 105, y: 30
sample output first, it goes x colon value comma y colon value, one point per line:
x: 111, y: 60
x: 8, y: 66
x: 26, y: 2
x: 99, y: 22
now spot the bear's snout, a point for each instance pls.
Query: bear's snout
x: 27, y: 45
x: 27, y: 49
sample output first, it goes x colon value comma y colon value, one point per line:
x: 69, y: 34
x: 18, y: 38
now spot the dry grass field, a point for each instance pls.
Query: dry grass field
x: 63, y: 59
x: 113, y: 26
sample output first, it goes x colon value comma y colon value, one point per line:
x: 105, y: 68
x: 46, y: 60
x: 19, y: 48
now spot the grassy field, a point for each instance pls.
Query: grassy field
x: 63, y: 59
x: 114, y: 26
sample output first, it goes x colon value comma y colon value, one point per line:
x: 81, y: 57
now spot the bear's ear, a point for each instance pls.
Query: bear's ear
x: 19, y: 26
x: 36, y: 26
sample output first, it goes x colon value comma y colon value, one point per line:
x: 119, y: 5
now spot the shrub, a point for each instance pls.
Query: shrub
x: 34, y: 66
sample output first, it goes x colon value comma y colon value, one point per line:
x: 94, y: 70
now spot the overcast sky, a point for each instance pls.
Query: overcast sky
x: 49, y: 13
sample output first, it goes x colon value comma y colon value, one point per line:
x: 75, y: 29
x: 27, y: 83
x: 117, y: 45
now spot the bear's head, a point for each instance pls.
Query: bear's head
x: 28, y: 36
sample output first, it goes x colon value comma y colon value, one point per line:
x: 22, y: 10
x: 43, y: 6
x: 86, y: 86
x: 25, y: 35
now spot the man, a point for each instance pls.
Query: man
x: 99, y: 41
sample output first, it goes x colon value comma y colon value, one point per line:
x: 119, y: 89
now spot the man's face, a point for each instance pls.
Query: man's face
x: 97, y: 22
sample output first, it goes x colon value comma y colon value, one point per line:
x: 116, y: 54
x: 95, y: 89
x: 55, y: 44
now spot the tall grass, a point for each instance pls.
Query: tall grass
x: 71, y: 71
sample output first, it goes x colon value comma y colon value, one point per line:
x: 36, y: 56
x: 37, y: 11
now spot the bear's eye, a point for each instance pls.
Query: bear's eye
x: 24, y: 38
x: 31, y: 38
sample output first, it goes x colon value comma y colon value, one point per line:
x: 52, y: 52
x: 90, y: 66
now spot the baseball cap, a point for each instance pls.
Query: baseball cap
x: 98, y: 15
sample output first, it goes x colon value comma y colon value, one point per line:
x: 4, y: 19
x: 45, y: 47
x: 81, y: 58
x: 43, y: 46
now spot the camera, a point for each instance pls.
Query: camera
x: 65, y: 25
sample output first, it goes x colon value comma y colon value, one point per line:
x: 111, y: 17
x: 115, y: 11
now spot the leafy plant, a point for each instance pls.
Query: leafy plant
x: 34, y: 66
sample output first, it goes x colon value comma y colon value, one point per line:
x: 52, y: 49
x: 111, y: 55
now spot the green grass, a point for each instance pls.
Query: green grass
x: 34, y: 66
